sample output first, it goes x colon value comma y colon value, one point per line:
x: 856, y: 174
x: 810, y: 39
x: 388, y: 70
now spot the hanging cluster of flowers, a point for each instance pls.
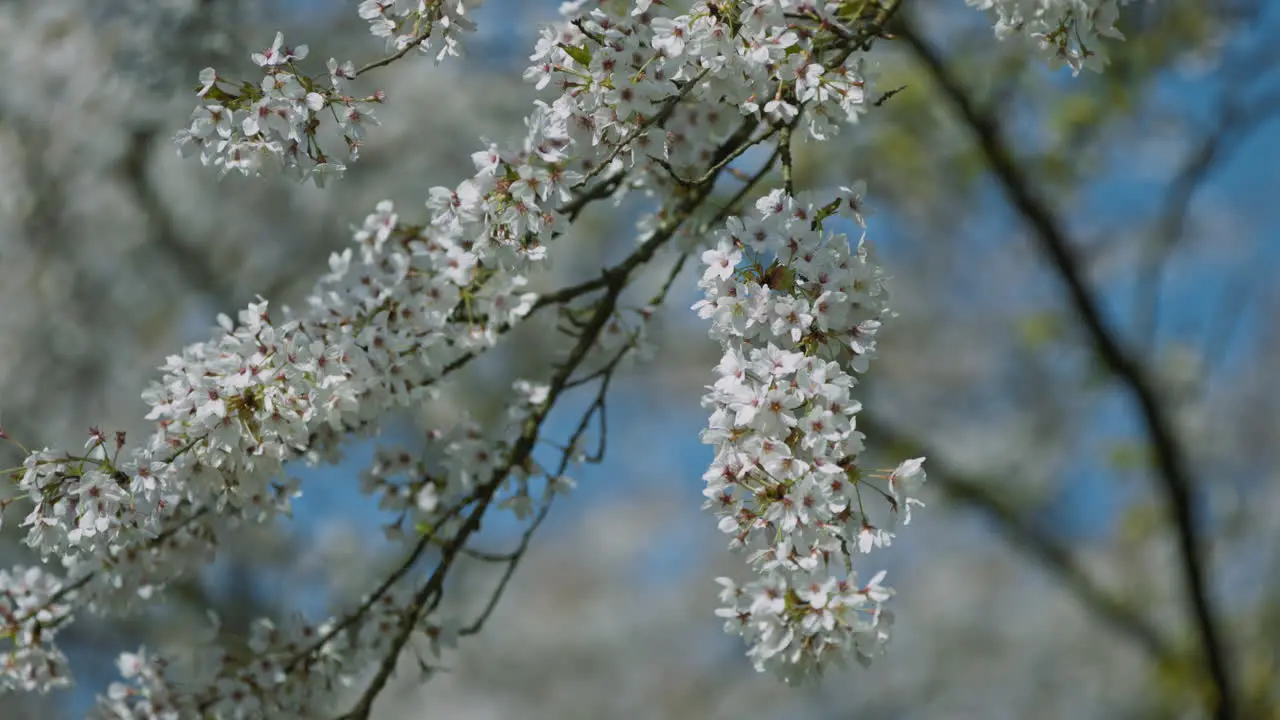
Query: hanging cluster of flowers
x: 1066, y: 32
x: 657, y: 96
x: 796, y: 310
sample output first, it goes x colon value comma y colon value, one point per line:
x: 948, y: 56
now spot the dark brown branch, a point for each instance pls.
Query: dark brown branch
x: 1173, y: 472
x: 596, y: 408
x: 428, y: 596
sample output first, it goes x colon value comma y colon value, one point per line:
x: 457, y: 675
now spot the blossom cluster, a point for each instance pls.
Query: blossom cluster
x: 248, y: 126
x: 378, y: 331
x: 429, y: 25
x: 300, y: 667
x: 33, y: 604
x: 232, y: 411
x: 245, y: 127
x: 1068, y: 32
x: 397, y: 310
x: 649, y: 95
x: 797, y: 310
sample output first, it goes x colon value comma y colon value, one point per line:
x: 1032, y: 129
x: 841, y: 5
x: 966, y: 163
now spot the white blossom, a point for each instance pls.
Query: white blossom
x: 795, y: 306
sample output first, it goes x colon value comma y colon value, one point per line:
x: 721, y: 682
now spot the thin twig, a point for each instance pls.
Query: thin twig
x: 1235, y: 124
x: 417, y: 40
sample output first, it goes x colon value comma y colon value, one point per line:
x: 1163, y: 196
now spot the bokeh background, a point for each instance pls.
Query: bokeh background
x: 1042, y: 579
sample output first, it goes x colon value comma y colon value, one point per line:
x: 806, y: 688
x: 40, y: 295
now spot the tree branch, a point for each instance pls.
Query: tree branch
x: 1236, y: 122
x: 616, y: 281
x: 1173, y: 472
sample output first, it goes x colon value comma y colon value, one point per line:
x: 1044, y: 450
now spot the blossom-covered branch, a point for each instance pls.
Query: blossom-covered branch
x: 661, y: 98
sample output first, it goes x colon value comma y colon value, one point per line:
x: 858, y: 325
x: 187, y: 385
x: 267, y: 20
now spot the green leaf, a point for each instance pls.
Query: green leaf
x: 1129, y: 455
x: 1140, y: 522
x: 580, y: 55
x: 1040, y: 328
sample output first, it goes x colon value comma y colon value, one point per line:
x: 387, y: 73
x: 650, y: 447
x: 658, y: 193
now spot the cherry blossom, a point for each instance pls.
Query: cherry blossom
x: 654, y: 98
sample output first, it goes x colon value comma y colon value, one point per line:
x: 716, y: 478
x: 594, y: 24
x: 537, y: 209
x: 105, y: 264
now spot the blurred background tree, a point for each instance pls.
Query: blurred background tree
x: 1086, y: 271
